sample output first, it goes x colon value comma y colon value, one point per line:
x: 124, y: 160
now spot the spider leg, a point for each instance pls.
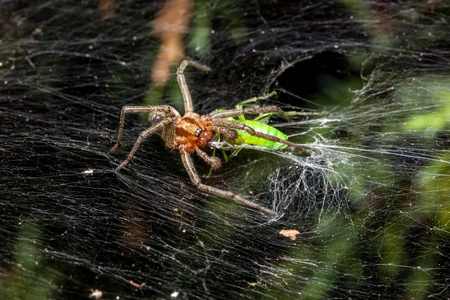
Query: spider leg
x: 143, y: 135
x: 249, y: 110
x: 228, y: 133
x: 137, y: 109
x: 213, y: 161
x: 236, y: 125
x: 189, y: 166
x: 188, y: 107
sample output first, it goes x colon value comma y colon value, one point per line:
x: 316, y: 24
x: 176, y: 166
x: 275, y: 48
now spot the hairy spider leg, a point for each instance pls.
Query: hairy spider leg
x: 188, y: 107
x: 137, y: 109
x: 142, y: 136
x: 189, y: 166
x: 228, y: 133
x: 236, y: 125
x: 213, y: 161
x: 249, y: 110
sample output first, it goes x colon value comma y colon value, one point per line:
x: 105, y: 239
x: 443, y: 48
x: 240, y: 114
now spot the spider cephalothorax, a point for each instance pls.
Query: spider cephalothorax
x: 192, y: 132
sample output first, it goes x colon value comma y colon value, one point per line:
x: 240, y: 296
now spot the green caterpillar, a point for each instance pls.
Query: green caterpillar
x: 258, y: 124
x: 245, y: 138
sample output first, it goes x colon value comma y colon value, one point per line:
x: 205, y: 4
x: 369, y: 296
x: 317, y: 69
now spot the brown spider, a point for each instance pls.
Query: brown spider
x: 192, y: 132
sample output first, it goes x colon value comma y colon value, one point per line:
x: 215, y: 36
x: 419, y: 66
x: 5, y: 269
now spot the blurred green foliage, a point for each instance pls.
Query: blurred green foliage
x: 29, y: 277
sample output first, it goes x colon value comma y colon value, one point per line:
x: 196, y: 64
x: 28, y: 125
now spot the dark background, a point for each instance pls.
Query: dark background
x: 371, y: 204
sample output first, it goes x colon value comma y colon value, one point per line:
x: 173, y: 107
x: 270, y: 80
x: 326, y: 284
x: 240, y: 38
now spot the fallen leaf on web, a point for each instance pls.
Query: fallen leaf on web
x: 290, y: 233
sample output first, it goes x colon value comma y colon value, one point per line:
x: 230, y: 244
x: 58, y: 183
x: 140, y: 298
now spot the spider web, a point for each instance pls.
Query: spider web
x: 369, y: 209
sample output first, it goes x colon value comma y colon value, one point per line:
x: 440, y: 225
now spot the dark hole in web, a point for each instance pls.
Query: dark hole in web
x: 310, y: 78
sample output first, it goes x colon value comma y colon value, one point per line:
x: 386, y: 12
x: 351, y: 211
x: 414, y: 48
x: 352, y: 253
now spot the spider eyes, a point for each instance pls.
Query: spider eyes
x: 198, y: 132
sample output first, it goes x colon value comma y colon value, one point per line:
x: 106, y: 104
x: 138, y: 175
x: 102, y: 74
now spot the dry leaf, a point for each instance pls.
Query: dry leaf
x: 170, y: 25
x: 290, y: 233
